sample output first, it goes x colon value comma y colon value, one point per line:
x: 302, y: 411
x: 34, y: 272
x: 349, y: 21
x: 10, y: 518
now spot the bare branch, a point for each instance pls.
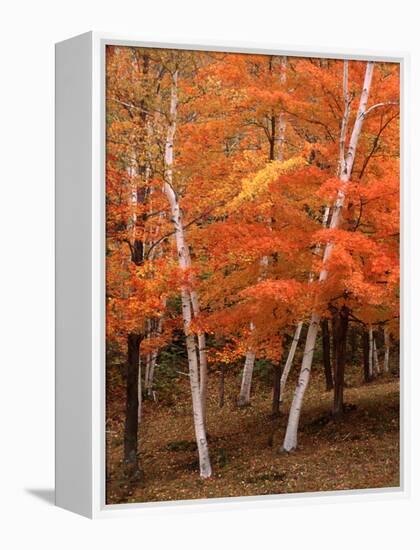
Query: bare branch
x: 377, y: 105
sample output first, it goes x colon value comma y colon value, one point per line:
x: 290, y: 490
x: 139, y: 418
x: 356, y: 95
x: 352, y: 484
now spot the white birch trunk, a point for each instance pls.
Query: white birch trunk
x: 132, y: 222
x: 245, y: 392
x: 290, y: 358
x: 296, y: 337
x: 184, y: 263
x: 386, y: 356
x: 202, y: 353
x: 244, y: 398
x: 202, y: 349
x: 290, y: 439
x: 346, y: 166
x: 153, y: 360
x: 199, y: 426
x: 371, y: 352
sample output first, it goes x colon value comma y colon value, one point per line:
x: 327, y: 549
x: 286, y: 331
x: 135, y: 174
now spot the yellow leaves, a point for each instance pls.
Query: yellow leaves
x: 256, y: 185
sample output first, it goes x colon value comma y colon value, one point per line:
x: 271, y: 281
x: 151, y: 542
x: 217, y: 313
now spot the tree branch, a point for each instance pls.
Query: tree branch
x: 377, y: 105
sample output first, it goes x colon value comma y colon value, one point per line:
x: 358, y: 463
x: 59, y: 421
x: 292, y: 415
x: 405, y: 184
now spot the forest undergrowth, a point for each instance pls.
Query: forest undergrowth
x: 359, y: 451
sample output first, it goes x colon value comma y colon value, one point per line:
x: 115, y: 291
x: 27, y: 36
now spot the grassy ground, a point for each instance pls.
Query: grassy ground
x: 361, y: 451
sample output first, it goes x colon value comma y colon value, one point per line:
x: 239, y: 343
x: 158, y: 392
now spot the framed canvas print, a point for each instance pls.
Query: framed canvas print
x: 228, y: 274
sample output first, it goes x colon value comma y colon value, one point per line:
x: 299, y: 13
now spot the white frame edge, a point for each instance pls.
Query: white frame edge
x: 80, y: 350
x: 73, y: 200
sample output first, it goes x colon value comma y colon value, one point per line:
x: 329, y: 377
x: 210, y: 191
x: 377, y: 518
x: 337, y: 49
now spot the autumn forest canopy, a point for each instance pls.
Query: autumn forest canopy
x: 252, y: 274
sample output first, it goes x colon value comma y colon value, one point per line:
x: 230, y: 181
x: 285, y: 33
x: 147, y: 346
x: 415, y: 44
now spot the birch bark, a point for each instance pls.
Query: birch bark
x: 289, y: 361
x: 202, y: 354
x: 296, y: 337
x: 245, y: 391
x: 152, y: 363
x: 186, y: 302
x: 346, y: 166
x: 282, y: 117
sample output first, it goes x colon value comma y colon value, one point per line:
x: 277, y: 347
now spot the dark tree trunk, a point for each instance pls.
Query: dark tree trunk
x: 275, y: 407
x: 366, y: 372
x: 326, y: 353
x: 272, y: 139
x: 353, y: 345
x: 341, y: 322
x: 222, y: 385
x: 137, y: 252
x: 132, y: 403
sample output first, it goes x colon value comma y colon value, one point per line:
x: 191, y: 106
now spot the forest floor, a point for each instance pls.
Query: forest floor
x: 360, y: 451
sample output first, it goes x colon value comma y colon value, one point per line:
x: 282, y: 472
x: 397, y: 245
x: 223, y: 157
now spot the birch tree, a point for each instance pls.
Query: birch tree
x: 298, y: 331
x: 184, y: 261
x: 245, y: 392
x: 346, y: 165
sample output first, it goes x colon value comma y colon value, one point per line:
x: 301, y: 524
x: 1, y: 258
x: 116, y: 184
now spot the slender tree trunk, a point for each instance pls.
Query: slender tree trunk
x: 366, y: 365
x: 245, y: 392
x: 346, y: 166
x: 147, y: 371
x: 276, y: 141
x: 149, y: 332
x: 222, y: 385
x: 281, y: 133
x: 139, y: 390
x: 298, y: 330
x: 199, y: 426
x: 276, y: 146
x: 133, y: 389
x: 371, y: 353
x: 336, y: 327
x: 132, y: 405
x: 187, y: 312
x: 326, y: 353
x: 202, y: 353
x: 275, y: 408
x: 290, y: 439
x: 153, y: 360
x: 340, y: 334
x: 386, y: 344
x: 289, y: 360
x: 375, y: 357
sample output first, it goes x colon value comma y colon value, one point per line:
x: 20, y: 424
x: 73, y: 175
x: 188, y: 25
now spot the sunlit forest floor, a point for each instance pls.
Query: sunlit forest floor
x: 360, y: 451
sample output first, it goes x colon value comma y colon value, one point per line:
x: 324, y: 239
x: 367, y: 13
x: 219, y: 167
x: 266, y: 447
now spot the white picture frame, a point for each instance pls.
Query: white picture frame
x: 80, y: 276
